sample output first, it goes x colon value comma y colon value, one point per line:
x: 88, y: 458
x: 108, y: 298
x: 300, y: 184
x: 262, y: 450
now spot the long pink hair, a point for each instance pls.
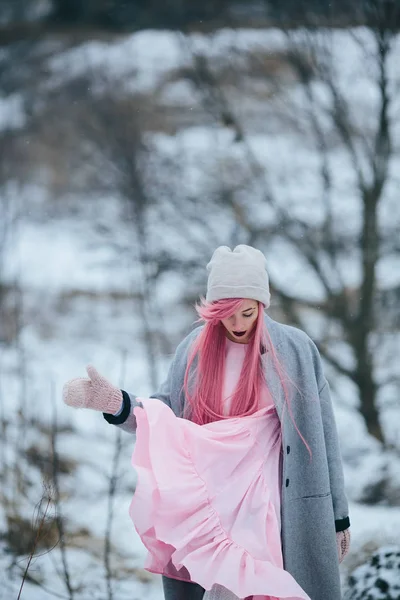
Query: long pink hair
x: 204, y: 376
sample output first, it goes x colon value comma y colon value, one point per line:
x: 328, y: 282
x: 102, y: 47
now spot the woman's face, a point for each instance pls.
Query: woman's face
x: 240, y: 325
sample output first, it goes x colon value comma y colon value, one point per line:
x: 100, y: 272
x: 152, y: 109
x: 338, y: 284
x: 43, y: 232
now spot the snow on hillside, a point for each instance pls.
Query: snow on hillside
x: 68, y: 275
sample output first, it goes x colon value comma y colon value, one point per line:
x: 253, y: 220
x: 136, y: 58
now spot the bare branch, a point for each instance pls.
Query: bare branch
x: 336, y: 364
x: 57, y: 495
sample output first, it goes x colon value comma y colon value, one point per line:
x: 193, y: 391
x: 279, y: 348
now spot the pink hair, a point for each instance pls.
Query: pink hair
x: 204, y: 376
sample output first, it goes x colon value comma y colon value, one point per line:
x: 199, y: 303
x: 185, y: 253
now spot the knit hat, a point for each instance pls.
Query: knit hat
x: 240, y: 273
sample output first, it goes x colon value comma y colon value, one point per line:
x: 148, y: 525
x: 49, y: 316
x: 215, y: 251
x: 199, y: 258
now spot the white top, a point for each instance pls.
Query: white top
x: 234, y: 357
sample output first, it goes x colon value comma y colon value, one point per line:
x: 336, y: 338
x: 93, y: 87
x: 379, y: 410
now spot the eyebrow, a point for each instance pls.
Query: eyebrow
x: 248, y: 309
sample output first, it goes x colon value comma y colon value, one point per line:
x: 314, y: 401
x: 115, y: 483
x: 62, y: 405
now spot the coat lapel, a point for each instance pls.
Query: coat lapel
x: 271, y: 374
x: 274, y: 384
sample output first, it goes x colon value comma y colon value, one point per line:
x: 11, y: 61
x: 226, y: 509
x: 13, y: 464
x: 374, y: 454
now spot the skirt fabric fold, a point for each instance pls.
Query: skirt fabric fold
x: 207, y: 502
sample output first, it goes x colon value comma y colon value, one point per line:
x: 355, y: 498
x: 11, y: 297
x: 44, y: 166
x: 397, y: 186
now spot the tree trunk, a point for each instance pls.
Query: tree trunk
x: 368, y: 392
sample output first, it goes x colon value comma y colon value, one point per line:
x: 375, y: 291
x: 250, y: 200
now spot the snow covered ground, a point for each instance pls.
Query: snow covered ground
x: 79, y: 303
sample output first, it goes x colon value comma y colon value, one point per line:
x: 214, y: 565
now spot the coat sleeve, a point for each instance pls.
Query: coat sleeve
x: 340, y: 504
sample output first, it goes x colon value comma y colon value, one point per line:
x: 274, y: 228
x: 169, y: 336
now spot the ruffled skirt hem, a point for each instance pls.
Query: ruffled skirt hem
x: 175, y: 517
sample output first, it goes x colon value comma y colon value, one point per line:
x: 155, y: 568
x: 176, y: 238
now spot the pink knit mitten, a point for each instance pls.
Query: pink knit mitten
x: 343, y: 543
x: 96, y: 393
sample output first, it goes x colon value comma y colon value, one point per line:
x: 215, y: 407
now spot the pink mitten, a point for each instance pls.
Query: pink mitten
x: 96, y: 393
x: 343, y: 543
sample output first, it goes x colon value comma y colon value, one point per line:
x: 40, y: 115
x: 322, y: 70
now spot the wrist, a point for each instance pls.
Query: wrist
x: 114, y: 401
x: 125, y: 411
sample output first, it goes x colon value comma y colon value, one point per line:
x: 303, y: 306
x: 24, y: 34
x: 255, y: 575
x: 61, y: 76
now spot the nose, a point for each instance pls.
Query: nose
x: 237, y: 324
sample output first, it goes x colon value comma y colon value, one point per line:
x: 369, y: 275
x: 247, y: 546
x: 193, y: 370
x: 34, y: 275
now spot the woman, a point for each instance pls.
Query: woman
x: 244, y: 495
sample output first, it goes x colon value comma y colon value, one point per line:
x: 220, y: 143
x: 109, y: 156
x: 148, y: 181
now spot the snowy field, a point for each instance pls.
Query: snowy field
x: 79, y: 302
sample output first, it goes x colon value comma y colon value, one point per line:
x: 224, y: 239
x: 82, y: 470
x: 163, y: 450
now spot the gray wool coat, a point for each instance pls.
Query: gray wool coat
x: 314, y: 504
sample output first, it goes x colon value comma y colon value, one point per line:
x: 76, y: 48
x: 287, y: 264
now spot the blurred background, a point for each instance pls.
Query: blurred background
x: 135, y: 137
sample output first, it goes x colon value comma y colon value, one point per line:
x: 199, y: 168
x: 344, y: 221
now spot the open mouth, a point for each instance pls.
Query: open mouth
x: 239, y: 333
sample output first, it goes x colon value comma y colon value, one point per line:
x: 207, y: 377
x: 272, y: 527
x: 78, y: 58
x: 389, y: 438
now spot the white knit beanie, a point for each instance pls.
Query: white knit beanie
x: 240, y: 273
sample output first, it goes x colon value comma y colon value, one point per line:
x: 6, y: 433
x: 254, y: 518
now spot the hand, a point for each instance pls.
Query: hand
x: 343, y: 543
x: 96, y: 393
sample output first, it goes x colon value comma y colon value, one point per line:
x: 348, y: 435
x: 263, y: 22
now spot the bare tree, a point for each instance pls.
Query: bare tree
x: 108, y: 151
x: 323, y: 246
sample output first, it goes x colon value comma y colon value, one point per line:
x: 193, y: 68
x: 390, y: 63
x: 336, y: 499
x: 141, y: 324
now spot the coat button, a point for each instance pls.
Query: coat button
x: 288, y: 449
x: 287, y: 482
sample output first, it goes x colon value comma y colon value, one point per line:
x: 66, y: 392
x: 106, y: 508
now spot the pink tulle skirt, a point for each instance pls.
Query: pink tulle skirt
x: 207, y: 501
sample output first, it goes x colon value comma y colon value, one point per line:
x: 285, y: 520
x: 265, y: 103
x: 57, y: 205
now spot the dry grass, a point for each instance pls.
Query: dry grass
x: 21, y: 534
x: 43, y: 460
